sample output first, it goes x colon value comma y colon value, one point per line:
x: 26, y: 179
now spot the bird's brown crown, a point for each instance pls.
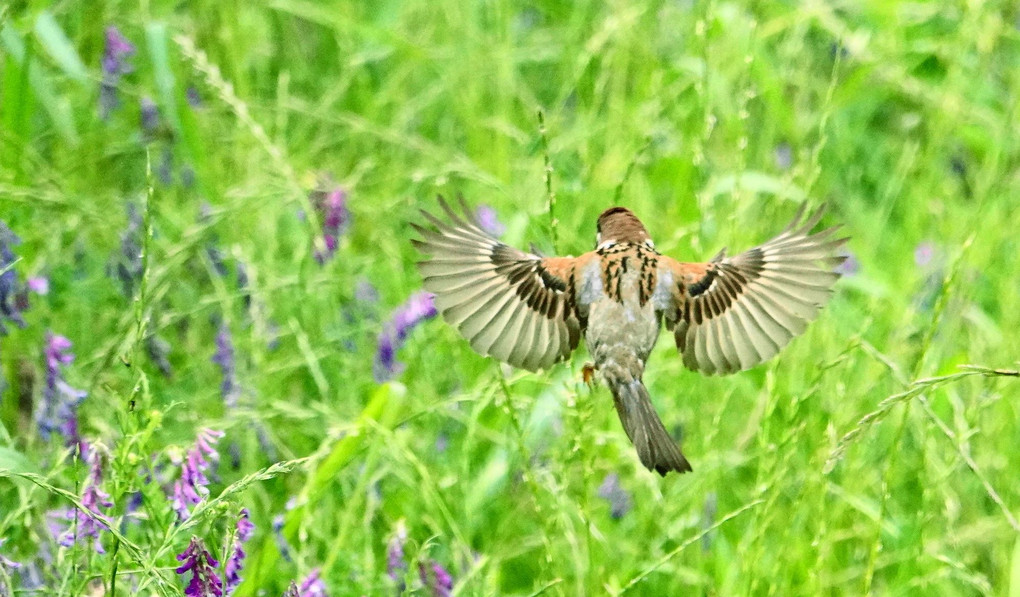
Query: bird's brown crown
x: 619, y: 224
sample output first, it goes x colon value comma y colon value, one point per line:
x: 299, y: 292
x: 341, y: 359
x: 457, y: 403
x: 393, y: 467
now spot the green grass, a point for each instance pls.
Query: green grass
x: 829, y: 470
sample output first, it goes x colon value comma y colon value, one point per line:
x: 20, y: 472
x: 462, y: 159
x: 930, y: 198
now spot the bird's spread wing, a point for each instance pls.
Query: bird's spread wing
x: 734, y: 312
x: 515, y: 306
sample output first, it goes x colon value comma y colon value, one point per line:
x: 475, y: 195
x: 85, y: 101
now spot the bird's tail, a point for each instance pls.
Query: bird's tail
x: 655, y: 447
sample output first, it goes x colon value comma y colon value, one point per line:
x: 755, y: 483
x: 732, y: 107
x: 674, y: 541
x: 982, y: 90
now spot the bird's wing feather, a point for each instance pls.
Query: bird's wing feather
x: 735, y: 312
x: 517, y: 307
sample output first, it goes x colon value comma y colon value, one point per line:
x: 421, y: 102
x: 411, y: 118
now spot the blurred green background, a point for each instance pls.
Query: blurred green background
x: 826, y: 471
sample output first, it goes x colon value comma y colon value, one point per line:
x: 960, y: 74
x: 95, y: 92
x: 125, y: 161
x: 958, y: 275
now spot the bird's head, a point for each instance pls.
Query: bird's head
x: 620, y: 225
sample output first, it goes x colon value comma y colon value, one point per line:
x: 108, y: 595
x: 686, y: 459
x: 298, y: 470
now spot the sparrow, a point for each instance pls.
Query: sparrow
x: 531, y: 311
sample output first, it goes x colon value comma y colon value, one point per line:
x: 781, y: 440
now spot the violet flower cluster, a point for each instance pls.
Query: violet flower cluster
x: 618, y: 498
x: 114, y: 65
x: 192, y: 487
x: 129, y: 264
x: 486, y: 217
x: 310, y: 586
x: 149, y: 115
x: 436, y: 580
x: 232, y: 570
x: 202, y: 566
x: 396, y: 566
x: 278, y: 523
x: 10, y: 302
x: 83, y: 523
x: 332, y: 208
x: 224, y: 358
x: 59, y: 411
x: 418, y: 308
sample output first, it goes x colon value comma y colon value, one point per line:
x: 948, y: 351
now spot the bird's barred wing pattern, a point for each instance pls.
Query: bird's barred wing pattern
x: 736, y: 312
x: 514, y: 306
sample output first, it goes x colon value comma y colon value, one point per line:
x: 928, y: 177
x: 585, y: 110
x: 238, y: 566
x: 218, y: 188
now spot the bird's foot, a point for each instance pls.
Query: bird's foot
x: 588, y: 373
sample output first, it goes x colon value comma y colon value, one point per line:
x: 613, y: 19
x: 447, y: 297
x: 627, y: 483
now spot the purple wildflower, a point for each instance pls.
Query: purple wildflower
x: 84, y: 523
x: 114, y: 65
x: 924, y: 254
x: 418, y: 308
x: 332, y: 208
x: 487, y: 219
x: 129, y: 263
x: 850, y: 265
x: 278, y: 521
x: 9, y: 287
x: 433, y: 576
x: 149, y: 116
x: 310, y: 586
x: 59, y: 410
x: 386, y: 365
x: 396, y: 566
x: 192, y: 485
x: 201, y: 564
x: 134, y: 504
x: 38, y: 284
x: 281, y: 542
x: 436, y: 579
x: 224, y: 357
x: 616, y: 495
x: 165, y: 167
x: 232, y: 570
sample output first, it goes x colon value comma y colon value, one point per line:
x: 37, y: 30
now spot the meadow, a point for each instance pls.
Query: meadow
x: 218, y: 374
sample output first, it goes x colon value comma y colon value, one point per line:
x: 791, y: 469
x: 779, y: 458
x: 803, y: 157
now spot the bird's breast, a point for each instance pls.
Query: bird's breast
x: 621, y: 322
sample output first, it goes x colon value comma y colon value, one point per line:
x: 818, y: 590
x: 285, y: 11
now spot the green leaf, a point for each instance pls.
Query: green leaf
x: 57, y: 107
x: 16, y: 462
x: 159, y: 54
x: 52, y: 39
x: 379, y: 410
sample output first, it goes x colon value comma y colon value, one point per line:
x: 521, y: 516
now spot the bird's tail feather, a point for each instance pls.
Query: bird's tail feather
x: 655, y: 447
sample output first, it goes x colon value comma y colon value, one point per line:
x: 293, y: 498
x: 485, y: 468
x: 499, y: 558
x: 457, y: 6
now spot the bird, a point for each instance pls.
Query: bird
x: 531, y: 311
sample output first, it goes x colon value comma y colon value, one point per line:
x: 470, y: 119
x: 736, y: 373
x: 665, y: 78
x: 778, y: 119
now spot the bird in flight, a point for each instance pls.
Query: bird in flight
x: 531, y: 311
